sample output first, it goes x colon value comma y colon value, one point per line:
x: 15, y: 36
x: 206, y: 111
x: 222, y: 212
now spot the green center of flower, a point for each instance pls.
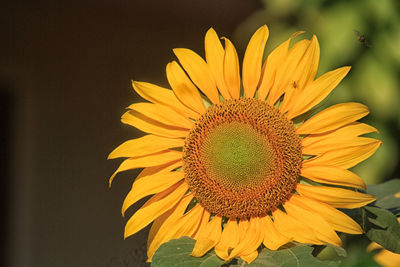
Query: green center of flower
x: 242, y: 158
x: 236, y: 153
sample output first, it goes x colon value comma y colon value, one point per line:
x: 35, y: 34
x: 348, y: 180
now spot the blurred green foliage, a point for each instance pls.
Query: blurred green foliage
x: 374, y: 79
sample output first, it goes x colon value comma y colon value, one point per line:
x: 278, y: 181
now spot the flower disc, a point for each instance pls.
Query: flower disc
x: 242, y: 158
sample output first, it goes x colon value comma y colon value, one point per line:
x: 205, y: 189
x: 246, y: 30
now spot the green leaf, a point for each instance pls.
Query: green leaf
x: 329, y: 252
x: 387, y: 188
x: 382, y: 227
x: 176, y: 253
x: 385, y: 194
x: 341, y: 252
x: 298, y: 256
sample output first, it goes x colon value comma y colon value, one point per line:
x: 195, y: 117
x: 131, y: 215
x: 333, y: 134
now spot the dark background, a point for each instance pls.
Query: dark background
x: 65, y: 72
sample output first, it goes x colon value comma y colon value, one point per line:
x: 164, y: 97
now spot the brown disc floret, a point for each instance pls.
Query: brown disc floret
x: 242, y: 158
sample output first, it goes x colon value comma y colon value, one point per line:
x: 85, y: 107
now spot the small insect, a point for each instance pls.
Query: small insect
x: 294, y: 84
x: 362, y: 38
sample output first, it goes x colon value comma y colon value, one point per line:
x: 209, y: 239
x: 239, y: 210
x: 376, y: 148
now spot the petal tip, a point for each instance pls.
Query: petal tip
x: 211, y: 30
x: 178, y: 51
x: 369, y: 199
x: 111, y: 179
x: 264, y: 28
x: 135, y: 84
x: 296, y: 34
x: 126, y: 233
x: 346, y: 70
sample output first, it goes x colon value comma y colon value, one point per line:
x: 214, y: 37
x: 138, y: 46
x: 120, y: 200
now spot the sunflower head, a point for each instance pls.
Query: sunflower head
x: 247, y: 154
x: 224, y: 160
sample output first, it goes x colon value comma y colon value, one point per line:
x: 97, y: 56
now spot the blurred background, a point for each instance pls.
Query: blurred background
x: 65, y: 72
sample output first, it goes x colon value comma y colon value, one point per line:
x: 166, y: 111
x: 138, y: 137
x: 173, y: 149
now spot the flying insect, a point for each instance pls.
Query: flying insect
x: 362, y: 39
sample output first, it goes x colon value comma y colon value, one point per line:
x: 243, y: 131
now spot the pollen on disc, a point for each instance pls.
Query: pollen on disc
x: 242, y: 158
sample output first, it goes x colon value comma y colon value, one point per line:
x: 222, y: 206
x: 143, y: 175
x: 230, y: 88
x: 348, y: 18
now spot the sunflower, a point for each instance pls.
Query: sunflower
x: 236, y: 161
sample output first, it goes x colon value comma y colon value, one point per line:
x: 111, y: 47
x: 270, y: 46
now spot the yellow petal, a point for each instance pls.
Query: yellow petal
x: 154, y: 207
x: 208, y: 238
x: 202, y: 224
x: 145, y: 145
x: 373, y: 246
x: 199, y: 72
x: 331, y: 175
x: 148, y: 161
x: 284, y: 78
x: 183, y: 88
x: 387, y: 258
x: 301, y: 73
x: 160, y: 227
x: 307, y: 67
x: 189, y: 223
x: 291, y: 228
x: 252, y: 238
x: 149, y: 125
x: 243, y: 227
x: 318, y: 148
x: 316, y: 91
x: 337, y: 219
x: 149, y: 185
x: 164, y: 168
x: 250, y: 257
x: 162, y: 114
x: 336, y: 197
x: 320, y: 227
x: 333, y: 118
x: 346, y: 157
x: 273, y: 239
x: 272, y: 64
x: 231, y: 69
x: 185, y: 225
x: 229, y: 239
x: 215, y: 60
x: 252, y: 60
x: 163, y: 96
x: 348, y: 131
